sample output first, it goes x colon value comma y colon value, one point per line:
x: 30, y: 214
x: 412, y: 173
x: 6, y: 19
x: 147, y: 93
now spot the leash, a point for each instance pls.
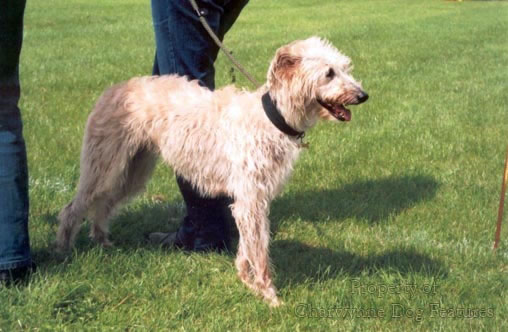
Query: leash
x: 223, y: 48
x: 270, y: 109
x: 501, y: 203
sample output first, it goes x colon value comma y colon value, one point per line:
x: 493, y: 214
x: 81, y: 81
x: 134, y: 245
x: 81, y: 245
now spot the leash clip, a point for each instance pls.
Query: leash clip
x: 302, y: 144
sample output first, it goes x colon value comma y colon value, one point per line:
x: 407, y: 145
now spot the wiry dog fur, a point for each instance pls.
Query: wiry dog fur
x: 222, y: 142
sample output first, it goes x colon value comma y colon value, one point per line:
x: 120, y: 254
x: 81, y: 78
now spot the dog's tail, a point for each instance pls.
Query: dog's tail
x: 71, y: 218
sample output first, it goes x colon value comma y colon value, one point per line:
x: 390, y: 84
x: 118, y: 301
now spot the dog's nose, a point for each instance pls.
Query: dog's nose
x: 362, y: 97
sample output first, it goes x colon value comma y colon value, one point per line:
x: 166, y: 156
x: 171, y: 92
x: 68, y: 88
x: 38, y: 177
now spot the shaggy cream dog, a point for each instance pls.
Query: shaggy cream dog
x: 227, y: 142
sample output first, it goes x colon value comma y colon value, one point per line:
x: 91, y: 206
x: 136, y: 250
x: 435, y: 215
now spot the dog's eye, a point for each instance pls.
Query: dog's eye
x: 330, y: 74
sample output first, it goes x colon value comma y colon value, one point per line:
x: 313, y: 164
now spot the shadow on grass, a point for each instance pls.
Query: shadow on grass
x: 296, y: 263
x: 370, y: 200
x: 128, y: 230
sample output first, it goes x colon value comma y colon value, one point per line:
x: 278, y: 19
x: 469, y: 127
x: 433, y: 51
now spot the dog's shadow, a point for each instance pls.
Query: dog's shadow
x: 297, y: 263
x: 372, y: 201
x: 129, y: 229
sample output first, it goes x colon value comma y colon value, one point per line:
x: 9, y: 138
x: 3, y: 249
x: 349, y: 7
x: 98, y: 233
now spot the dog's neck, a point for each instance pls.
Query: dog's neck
x: 275, y: 116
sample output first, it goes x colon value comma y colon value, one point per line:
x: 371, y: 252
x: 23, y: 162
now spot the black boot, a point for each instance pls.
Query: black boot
x: 207, y: 224
x: 17, y: 275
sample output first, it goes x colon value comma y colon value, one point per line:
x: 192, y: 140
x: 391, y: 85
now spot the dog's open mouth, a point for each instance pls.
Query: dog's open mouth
x: 339, y: 111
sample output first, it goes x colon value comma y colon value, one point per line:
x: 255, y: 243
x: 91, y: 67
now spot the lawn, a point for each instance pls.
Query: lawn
x: 386, y: 224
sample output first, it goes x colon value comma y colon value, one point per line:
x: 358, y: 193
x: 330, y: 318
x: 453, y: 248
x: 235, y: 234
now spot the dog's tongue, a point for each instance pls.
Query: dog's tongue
x: 342, y: 113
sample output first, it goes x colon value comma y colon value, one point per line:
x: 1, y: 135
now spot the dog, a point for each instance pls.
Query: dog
x: 225, y: 142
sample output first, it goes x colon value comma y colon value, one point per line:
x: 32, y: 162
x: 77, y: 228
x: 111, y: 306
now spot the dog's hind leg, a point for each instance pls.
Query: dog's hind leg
x: 71, y: 217
x: 253, y: 262
x: 133, y: 180
x: 138, y: 172
x: 99, y: 216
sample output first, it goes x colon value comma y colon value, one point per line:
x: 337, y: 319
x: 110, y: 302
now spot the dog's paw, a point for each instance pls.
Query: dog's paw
x: 60, y: 248
x: 106, y: 244
x: 275, y: 302
x: 100, y: 237
x: 270, y: 296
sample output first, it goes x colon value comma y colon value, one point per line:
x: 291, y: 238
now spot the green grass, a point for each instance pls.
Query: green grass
x: 404, y: 195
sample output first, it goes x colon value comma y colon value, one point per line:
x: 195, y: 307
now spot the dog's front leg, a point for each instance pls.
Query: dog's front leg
x: 252, y: 261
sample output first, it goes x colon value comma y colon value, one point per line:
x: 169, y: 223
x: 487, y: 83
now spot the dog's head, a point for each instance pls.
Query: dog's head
x: 311, y: 79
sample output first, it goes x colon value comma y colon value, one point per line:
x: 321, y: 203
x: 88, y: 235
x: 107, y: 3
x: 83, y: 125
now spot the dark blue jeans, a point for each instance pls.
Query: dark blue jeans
x: 182, y: 44
x: 14, y: 242
x: 183, y: 47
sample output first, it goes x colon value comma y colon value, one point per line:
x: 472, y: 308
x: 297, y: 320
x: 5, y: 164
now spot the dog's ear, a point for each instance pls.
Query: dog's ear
x: 285, y: 63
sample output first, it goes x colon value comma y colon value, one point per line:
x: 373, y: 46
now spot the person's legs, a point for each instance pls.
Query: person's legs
x: 231, y: 12
x: 184, y: 48
x: 15, y: 257
x: 182, y: 45
x: 208, y: 220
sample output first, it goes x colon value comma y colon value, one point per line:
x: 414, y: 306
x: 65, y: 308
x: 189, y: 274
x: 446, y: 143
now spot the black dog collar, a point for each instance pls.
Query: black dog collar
x: 277, y: 119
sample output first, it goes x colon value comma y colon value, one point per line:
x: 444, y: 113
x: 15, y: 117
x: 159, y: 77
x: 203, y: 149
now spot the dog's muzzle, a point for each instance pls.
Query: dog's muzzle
x: 339, y: 111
